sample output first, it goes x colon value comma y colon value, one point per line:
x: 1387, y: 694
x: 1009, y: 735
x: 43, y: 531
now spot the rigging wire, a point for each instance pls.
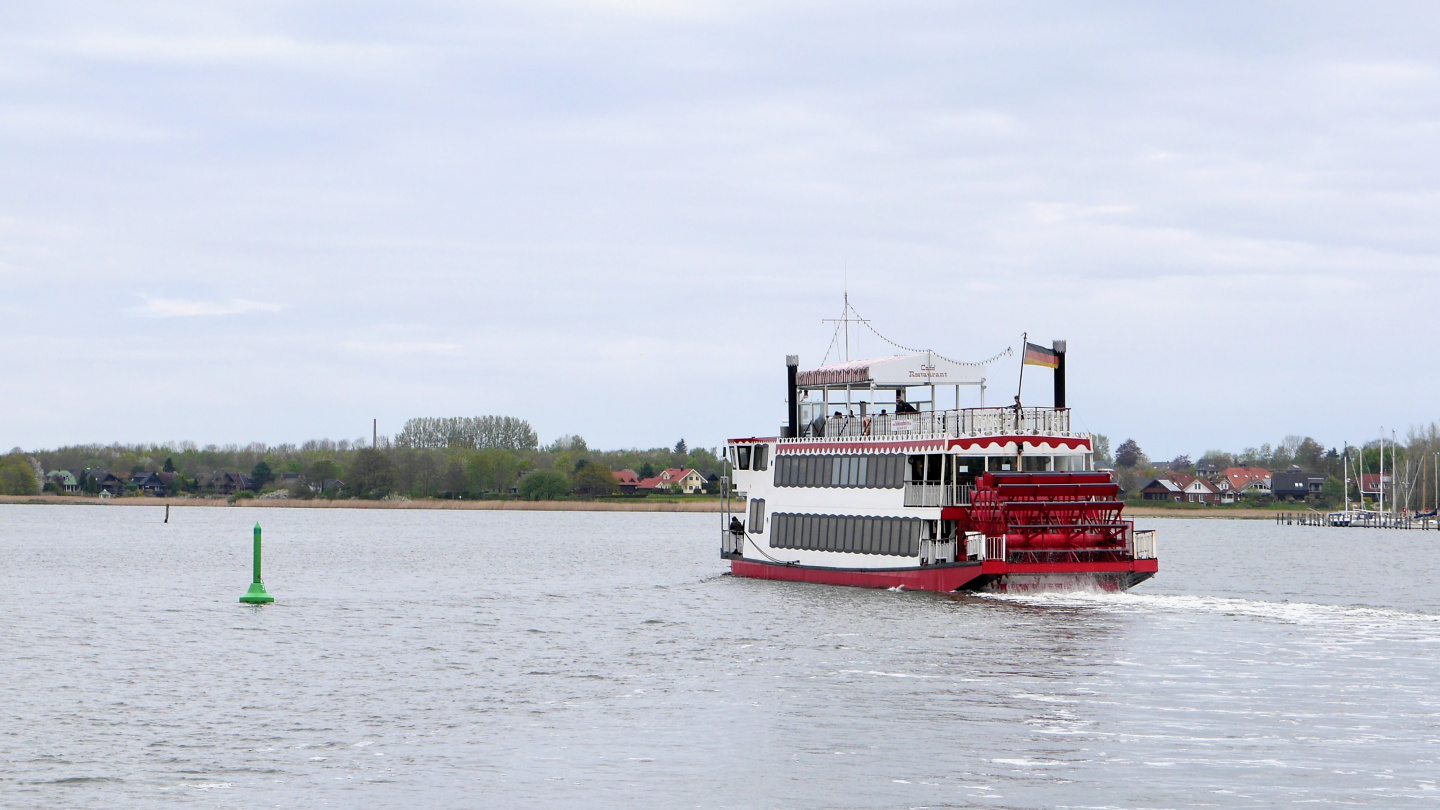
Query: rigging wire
x: 865, y: 321
x: 834, y: 340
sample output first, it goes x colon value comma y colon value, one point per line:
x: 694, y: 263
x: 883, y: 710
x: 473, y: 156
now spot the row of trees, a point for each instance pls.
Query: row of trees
x: 468, y: 433
x: 455, y: 458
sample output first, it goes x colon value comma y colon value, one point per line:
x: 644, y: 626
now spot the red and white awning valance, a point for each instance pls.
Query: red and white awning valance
x: 923, y: 368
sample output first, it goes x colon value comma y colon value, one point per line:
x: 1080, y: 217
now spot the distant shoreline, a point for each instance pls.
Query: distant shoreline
x: 638, y: 505
x: 1214, y: 513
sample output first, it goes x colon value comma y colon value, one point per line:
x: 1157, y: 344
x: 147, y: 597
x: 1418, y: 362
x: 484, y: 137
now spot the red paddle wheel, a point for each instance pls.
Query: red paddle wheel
x: 1050, y: 516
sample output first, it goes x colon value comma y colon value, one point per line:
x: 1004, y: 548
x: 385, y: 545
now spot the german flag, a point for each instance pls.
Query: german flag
x: 1040, y: 356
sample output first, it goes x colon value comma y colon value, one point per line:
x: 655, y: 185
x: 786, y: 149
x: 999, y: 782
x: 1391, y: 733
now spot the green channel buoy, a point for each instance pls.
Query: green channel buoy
x: 257, y: 595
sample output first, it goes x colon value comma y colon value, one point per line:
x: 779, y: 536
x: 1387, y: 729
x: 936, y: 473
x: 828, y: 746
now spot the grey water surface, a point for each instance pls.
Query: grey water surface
x: 531, y: 659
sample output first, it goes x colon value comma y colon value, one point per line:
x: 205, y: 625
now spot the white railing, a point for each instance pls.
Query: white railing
x: 975, y: 546
x: 922, y: 494
x: 959, y: 423
x: 995, y: 548
x: 980, y: 547
x: 731, y: 542
x: 937, y: 551
x: 1144, y: 544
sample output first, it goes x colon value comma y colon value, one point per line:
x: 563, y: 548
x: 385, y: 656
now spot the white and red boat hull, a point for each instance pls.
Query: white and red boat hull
x: 993, y: 575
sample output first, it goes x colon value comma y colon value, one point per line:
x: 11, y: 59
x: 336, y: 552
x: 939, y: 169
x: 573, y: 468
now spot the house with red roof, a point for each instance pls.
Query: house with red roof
x: 1181, y: 487
x: 689, y: 481
x: 1238, y: 481
x: 1372, y: 484
x: 628, y: 480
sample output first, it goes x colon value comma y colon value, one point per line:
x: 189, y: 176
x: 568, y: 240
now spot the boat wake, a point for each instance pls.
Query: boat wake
x: 1298, y: 613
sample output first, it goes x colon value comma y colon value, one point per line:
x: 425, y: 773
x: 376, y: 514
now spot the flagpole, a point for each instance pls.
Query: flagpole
x: 1020, y: 389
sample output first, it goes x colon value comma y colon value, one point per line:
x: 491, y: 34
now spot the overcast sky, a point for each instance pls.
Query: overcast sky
x: 274, y: 221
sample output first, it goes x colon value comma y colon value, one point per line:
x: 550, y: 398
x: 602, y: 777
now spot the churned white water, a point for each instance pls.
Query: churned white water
x: 479, y: 659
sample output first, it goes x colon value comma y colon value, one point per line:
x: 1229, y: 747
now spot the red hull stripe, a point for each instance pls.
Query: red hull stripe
x: 930, y: 578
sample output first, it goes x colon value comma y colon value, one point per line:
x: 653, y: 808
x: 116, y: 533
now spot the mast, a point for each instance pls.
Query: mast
x: 1345, y: 475
x: 1394, y: 468
x: 1382, y: 469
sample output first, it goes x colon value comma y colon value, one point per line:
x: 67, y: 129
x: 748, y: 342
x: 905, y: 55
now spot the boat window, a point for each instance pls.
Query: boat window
x: 845, y: 533
x: 1001, y: 463
x: 1069, y: 463
x: 742, y: 457
x: 917, y: 469
x: 833, y: 470
x: 762, y: 457
x: 1036, y: 463
x: 757, y: 516
x: 969, y: 466
x: 933, y: 465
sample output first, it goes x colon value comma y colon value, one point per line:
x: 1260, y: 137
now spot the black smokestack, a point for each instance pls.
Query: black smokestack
x: 792, y: 365
x: 1059, y: 347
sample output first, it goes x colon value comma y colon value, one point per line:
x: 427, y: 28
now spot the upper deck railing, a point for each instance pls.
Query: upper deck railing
x: 964, y: 422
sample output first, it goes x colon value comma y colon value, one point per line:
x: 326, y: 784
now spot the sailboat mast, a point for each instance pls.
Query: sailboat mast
x: 1382, y: 469
x: 1345, y: 475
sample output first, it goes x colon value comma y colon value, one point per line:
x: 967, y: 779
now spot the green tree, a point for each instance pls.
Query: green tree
x: 1221, y: 459
x: 1101, y: 444
x: 492, y: 470
x: 594, y: 479
x: 169, y: 465
x: 261, y: 475
x: 544, y: 485
x: 370, y: 474
x: 647, y: 470
x: 1332, y: 492
x: 322, y: 471
x: 563, y: 462
x: 455, y: 481
x: 1129, y: 454
x: 682, y: 450
x: 17, y: 476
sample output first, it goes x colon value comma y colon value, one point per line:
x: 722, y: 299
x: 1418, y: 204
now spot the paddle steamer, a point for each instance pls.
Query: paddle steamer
x: 871, y: 483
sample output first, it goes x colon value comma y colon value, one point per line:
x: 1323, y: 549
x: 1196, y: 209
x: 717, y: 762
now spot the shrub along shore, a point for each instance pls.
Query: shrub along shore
x: 679, y: 504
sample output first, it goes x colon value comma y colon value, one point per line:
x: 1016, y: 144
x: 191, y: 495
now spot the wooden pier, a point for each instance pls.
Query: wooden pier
x: 1356, y: 520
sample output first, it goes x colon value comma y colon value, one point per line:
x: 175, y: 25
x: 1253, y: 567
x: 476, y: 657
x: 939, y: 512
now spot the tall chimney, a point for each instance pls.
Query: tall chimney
x: 792, y: 365
x: 1059, y: 347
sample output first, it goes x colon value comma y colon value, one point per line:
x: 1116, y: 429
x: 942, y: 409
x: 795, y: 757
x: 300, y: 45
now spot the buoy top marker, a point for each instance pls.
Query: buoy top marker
x: 257, y: 595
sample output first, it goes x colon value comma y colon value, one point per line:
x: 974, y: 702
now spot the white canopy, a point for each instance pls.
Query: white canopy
x: 924, y: 368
